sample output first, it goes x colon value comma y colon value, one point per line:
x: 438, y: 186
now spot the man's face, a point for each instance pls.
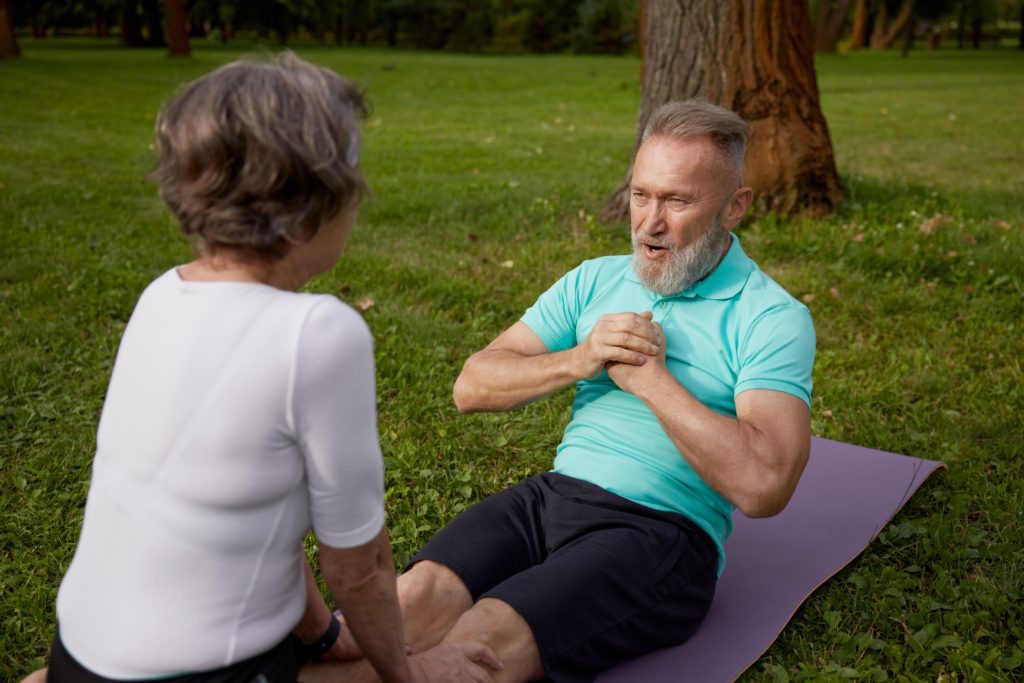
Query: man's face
x: 679, y: 193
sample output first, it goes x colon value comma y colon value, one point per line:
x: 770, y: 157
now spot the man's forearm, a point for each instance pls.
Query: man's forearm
x: 501, y: 379
x: 753, y: 469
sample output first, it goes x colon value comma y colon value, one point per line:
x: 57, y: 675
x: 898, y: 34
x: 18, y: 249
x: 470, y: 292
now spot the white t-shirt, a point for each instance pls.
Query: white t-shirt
x: 238, y: 416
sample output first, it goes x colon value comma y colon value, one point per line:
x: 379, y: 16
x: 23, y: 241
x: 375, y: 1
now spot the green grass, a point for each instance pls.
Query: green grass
x: 480, y: 161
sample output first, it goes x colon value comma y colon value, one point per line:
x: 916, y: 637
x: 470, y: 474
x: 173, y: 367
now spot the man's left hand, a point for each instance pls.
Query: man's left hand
x: 637, y: 379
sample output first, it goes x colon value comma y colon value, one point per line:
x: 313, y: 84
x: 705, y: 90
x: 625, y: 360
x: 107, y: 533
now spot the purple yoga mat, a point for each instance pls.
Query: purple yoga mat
x: 845, y: 497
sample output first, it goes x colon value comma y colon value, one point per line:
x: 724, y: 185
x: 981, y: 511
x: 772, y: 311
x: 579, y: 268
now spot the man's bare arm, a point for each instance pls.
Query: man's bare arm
x: 517, y: 368
x: 754, y: 460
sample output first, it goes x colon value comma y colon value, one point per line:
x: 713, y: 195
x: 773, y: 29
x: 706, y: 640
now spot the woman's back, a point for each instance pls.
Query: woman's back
x: 234, y: 411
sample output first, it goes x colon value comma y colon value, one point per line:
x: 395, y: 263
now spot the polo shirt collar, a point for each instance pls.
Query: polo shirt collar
x: 724, y: 282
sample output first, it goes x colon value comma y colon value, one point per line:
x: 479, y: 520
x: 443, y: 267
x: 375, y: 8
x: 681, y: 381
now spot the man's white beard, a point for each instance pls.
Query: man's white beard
x: 683, y: 266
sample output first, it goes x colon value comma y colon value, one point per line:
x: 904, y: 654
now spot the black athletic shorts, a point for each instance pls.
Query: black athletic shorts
x: 278, y: 665
x: 597, y: 577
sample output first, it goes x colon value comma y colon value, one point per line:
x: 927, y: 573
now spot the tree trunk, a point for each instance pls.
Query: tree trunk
x: 1020, y: 38
x: 8, y: 45
x: 828, y: 28
x: 908, y: 38
x: 976, y: 33
x: 886, y: 32
x: 153, y: 18
x: 101, y: 24
x: 131, y: 26
x: 858, y: 36
x: 38, y: 30
x: 961, y: 27
x: 640, y: 18
x: 177, y: 29
x: 755, y: 58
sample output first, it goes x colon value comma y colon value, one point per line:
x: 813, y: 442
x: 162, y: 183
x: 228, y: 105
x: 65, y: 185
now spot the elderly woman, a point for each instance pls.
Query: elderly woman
x: 241, y: 413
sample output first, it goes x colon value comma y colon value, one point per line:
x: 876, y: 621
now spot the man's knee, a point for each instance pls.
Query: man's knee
x: 429, y: 585
x: 432, y: 598
x: 496, y: 624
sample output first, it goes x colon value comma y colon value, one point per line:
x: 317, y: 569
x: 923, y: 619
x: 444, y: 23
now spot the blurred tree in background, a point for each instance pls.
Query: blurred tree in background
x: 503, y: 26
x: 500, y: 26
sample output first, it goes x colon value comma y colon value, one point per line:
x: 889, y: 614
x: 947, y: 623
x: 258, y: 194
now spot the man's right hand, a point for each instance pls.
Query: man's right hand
x: 466, y: 662
x: 629, y: 338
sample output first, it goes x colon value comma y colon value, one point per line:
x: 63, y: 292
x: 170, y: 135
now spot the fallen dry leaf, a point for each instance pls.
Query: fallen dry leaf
x: 834, y: 292
x: 930, y: 225
x: 807, y: 298
x: 1001, y: 224
x: 365, y: 304
x: 969, y: 238
x: 472, y: 237
x: 859, y: 237
x: 507, y: 264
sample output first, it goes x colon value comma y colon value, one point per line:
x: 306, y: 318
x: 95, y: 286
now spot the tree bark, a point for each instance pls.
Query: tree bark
x: 908, y: 38
x: 8, y: 45
x: 755, y: 58
x: 100, y: 26
x: 886, y: 32
x: 177, y: 29
x: 858, y: 36
x: 153, y: 18
x: 828, y: 28
x: 131, y: 27
x: 961, y: 27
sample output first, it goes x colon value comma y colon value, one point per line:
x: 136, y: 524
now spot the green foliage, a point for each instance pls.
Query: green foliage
x: 606, y: 26
x: 487, y: 173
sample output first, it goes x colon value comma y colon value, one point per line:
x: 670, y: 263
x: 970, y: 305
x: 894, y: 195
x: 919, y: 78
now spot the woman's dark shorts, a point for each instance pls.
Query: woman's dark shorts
x: 597, y: 577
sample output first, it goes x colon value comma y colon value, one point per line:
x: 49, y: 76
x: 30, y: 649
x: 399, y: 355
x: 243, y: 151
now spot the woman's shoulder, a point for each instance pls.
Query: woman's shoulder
x: 328, y: 316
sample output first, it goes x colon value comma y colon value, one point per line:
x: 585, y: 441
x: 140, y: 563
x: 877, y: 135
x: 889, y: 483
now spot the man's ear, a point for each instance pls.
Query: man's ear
x: 737, y: 208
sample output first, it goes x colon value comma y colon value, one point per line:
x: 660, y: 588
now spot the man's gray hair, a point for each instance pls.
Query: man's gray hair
x: 696, y: 117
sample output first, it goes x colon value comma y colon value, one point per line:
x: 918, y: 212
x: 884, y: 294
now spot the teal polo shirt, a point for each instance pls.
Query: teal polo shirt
x: 735, y: 330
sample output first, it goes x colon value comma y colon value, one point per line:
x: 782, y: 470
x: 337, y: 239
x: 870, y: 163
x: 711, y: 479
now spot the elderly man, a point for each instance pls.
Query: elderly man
x: 693, y: 377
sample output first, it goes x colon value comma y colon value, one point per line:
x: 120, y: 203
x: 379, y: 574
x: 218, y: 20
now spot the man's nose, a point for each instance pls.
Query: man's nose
x: 654, y: 219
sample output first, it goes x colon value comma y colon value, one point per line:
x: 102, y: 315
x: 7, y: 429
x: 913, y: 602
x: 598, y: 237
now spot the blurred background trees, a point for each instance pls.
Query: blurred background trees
x: 481, y: 26
x: 503, y: 26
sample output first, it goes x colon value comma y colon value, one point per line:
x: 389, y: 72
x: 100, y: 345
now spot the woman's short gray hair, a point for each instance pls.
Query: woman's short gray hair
x: 697, y: 117
x: 260, y: 153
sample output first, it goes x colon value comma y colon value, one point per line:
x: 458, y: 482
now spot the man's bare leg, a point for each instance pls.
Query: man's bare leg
x: 432, y: 599
x: 494, y: 623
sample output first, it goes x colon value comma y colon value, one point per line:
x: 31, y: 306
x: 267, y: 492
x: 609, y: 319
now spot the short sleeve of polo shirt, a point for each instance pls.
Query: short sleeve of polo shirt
x: 778, y: 352
x: 554, y: 315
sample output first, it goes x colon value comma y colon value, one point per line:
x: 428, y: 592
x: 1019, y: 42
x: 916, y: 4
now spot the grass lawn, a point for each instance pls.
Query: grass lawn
x: 487, y: 173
